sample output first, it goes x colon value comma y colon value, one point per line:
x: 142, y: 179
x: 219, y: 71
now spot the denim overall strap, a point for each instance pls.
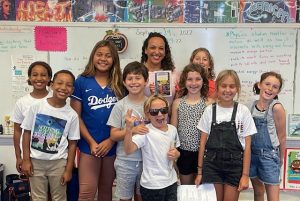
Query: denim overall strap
x: 261, y: 140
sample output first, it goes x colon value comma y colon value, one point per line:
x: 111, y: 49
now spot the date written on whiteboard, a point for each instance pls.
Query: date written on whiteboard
x: 186, y: 32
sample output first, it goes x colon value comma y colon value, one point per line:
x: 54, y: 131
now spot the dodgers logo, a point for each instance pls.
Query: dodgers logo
x: 97, y: 103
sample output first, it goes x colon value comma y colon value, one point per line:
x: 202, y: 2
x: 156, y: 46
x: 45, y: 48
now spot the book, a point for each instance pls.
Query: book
x: 292, y: 169
x: 163, y: 83
x: 294, y: 125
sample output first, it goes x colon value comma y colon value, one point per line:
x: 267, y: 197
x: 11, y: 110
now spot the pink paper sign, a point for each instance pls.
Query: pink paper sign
x: 50, y: 38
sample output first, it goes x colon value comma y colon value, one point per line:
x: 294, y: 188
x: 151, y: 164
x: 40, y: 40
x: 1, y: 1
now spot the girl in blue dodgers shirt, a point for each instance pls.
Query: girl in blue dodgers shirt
x: 97, y: 90
x: 225, y: 145
x: 268, y: 145
x: 159, y: 179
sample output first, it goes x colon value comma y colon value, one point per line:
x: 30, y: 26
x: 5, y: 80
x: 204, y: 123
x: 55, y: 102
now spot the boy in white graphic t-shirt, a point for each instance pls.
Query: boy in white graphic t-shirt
x: 51, y: 131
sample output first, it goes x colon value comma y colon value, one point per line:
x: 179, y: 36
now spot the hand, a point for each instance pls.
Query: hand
x: 66, y: 177
x: 104, y: 147
x: 19, y: 165
x: 173, y: 154
x: 94, y: 148
x: 27, y: 168
x: 140, y: 129
x: 129, y: 119
x: 198, y: 180
x: 244, y: 183
x: 152, y: 88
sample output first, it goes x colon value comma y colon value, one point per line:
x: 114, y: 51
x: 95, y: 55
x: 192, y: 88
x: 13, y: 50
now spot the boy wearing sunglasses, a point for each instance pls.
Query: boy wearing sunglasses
x: 159, y: 179
x: 129, y: 167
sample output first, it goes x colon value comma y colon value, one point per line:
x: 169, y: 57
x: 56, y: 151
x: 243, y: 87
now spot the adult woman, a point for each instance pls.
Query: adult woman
x: 156, y: 55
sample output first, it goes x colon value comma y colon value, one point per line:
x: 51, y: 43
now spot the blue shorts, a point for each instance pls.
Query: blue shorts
x: 128, y: 175
x: 266, y: 166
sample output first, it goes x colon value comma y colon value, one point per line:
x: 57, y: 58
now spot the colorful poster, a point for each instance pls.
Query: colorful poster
x: 7, y: 10
x: 174, y: 11
x: 191, y: 11
x: 44, y: 10
x: 292, y: 169
x: 272, y: 11
x: 138, y: 11
x: 100, y: 11
x: 218, y: 11
x: 157, y: 11
x: 47, y: 133
x: 294, y: 126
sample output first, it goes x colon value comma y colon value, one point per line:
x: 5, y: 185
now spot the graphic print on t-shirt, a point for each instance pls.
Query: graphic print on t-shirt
x: 47, y: 133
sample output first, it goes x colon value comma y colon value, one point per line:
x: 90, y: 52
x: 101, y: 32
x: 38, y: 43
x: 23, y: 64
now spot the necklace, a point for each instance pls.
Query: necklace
x: 262, y: 107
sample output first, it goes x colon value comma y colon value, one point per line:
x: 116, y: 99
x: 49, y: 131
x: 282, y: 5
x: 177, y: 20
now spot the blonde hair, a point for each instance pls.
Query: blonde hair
x: 225, y: 74
x: 152, y: 98
x: 115, y: 74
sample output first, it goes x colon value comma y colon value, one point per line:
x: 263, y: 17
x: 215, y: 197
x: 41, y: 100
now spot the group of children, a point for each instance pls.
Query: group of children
x: 140, y: 138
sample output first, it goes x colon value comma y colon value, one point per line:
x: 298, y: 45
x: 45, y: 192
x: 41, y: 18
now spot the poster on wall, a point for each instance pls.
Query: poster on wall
x: 292, y: 169
x: 294, y: 126
x: 138, y: 11
x: 270, y: 11
x: 218, y: 11
x: 7, y: 10
x: 100, y: 11
x: 44, y: 10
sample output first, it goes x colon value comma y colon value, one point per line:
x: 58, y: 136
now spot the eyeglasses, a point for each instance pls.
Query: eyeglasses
x: 154, y: 112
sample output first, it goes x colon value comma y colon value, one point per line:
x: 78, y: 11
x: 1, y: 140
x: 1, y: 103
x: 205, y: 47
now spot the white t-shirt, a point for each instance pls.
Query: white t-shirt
x: 244, y: 122
x: 22, y: 106
x: 50, y: 130
x: 158, y: 171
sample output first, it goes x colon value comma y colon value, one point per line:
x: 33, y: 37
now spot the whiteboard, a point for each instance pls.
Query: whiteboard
x: 249, y: 51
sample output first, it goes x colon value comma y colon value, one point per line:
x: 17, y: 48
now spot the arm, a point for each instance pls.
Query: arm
x: 17, y: 139
x: 174, y: 117
x: 244, y: 181
x: 280, y: 124
x: 200, y: 158
x: 129, y: 146
x: 27, y: 168
x: 67, y: 175
x: 76, y: 105
x: 118, y: 134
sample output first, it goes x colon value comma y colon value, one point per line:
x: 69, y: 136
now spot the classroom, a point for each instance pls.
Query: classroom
x: 248, y: 48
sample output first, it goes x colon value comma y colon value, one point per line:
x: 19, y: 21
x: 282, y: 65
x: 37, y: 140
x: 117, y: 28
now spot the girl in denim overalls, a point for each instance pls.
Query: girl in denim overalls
x: 225, y: 145
x: 268, y: 145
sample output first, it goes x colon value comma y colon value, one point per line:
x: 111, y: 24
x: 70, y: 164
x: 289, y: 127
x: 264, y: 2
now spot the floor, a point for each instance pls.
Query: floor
x: 248, y: 196
x: 284, y: 196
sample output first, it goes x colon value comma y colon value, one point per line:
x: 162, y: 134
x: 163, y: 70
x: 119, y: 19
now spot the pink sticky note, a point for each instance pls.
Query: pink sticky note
x: 50, y: 38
